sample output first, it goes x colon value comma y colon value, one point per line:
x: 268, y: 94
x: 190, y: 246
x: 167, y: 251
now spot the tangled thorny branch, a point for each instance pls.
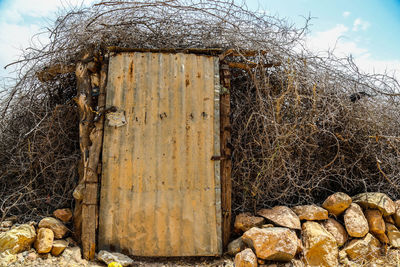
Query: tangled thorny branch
x: 296, y: 134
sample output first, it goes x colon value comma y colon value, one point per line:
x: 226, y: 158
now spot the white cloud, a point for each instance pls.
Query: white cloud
x: 335, y: 40
x: 346, y: 14
x: 21, y: 19
x: 13, y: 38
x: 360, y: 24
x: 338, y: 41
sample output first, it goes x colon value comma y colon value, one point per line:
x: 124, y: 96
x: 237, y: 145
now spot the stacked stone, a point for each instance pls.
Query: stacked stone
x: 46, y: 237
x: 346, y: 231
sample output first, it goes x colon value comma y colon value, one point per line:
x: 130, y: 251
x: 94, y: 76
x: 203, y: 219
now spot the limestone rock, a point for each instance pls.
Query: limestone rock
x: 376, y: 200
x: 6, y: 258
x: 300, y: 247
x: 44, y: 240
x: 393, y: 235
x: 245, y: 221
x: 296, y: 263
x: 236, y: 246
x: 246, y: 258
x: 396, y: 215
x: 18, y: 239
x: 375, y: 221
x: 32, y: 256
x: 355, y: 222
x: 388, y: 219
x: 310, y: 212
x: 73, y: 254
x: 275, y: 243
x: 337, y: 203
x: 64, y: 215
x: 363, y: 249
x: 268, y: 225
x: 320, y: 248
x: 59, y: 229
x: 58, y: 247
x: 337, y: 230
x: 382, y: 238
x: 108, y: 257
x: 281, y: 216
x: 6, y: 224
x: 376, y: 225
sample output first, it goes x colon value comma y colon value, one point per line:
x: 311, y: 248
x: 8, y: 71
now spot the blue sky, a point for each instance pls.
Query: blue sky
x: 378, y: 21
x: 369, y: 30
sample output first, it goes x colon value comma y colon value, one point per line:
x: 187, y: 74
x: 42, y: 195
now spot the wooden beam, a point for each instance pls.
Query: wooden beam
x: 202, y: 51
x: 241, y: 53
x: 249, y: 66
x: 91, y: 142
x: 51, y: 72
x: 226, y: 164
x: 90, y: 201
x: 84, y: 105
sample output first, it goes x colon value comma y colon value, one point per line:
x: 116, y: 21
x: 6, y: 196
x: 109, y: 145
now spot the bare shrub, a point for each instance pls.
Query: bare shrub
x: 296, y: 135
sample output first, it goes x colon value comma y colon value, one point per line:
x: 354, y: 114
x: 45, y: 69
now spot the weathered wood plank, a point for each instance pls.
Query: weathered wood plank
x: 90, y: 202
x: 226, y: 164
x: 84, y: 107
x: 91, y: 138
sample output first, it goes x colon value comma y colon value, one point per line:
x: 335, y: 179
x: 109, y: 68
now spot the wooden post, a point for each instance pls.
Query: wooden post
x: 91, y: 141
x: 226, y: 164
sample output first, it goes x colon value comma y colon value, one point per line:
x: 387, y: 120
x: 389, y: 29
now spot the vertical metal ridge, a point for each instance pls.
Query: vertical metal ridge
x: 130, y: 133
x: 217, y: 150
x: 158, y: 90
x: 207, y: 126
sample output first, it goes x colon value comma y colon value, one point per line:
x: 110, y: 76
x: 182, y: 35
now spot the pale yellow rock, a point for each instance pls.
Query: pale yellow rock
x: 300, y: 247
x: 32, y: 256
x: 236, y: 246
x: 337, y: 230
x: 6, y: 224
x: 246, y: 258
x: 108, y: 257
x: 375, y: 200
x: 363, y: 249
x: 18, y: 239
x: 320, y: 248
x: 393, y: 235
x: 267, y: 225
x: 58, y: 247
x: 337, y: 203
x: 59, y: 229
x: 275, y: 243
x: 245, y: 221
x: 296, y: 263
x: 281, y: 216
x: 355, y: 222
x: 396, y: 215
x: 310, y: 212
x: 6, y: 258
x: 65, y: 215
x: 44, y: 240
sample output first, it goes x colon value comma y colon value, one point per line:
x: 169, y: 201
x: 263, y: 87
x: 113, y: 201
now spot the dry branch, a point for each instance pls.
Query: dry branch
x: 295, y: 135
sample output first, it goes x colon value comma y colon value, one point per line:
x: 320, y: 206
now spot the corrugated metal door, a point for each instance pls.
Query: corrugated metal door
x: 160, y: 190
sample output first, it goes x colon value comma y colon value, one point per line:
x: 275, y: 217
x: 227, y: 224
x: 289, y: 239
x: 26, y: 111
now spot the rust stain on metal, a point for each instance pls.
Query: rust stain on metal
x: 160, y: 190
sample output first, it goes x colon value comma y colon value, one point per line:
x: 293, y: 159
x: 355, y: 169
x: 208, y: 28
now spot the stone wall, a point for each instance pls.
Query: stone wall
x: 345, y: 231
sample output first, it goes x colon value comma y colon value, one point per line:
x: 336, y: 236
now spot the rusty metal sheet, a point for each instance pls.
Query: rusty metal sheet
x: 160, y: 189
